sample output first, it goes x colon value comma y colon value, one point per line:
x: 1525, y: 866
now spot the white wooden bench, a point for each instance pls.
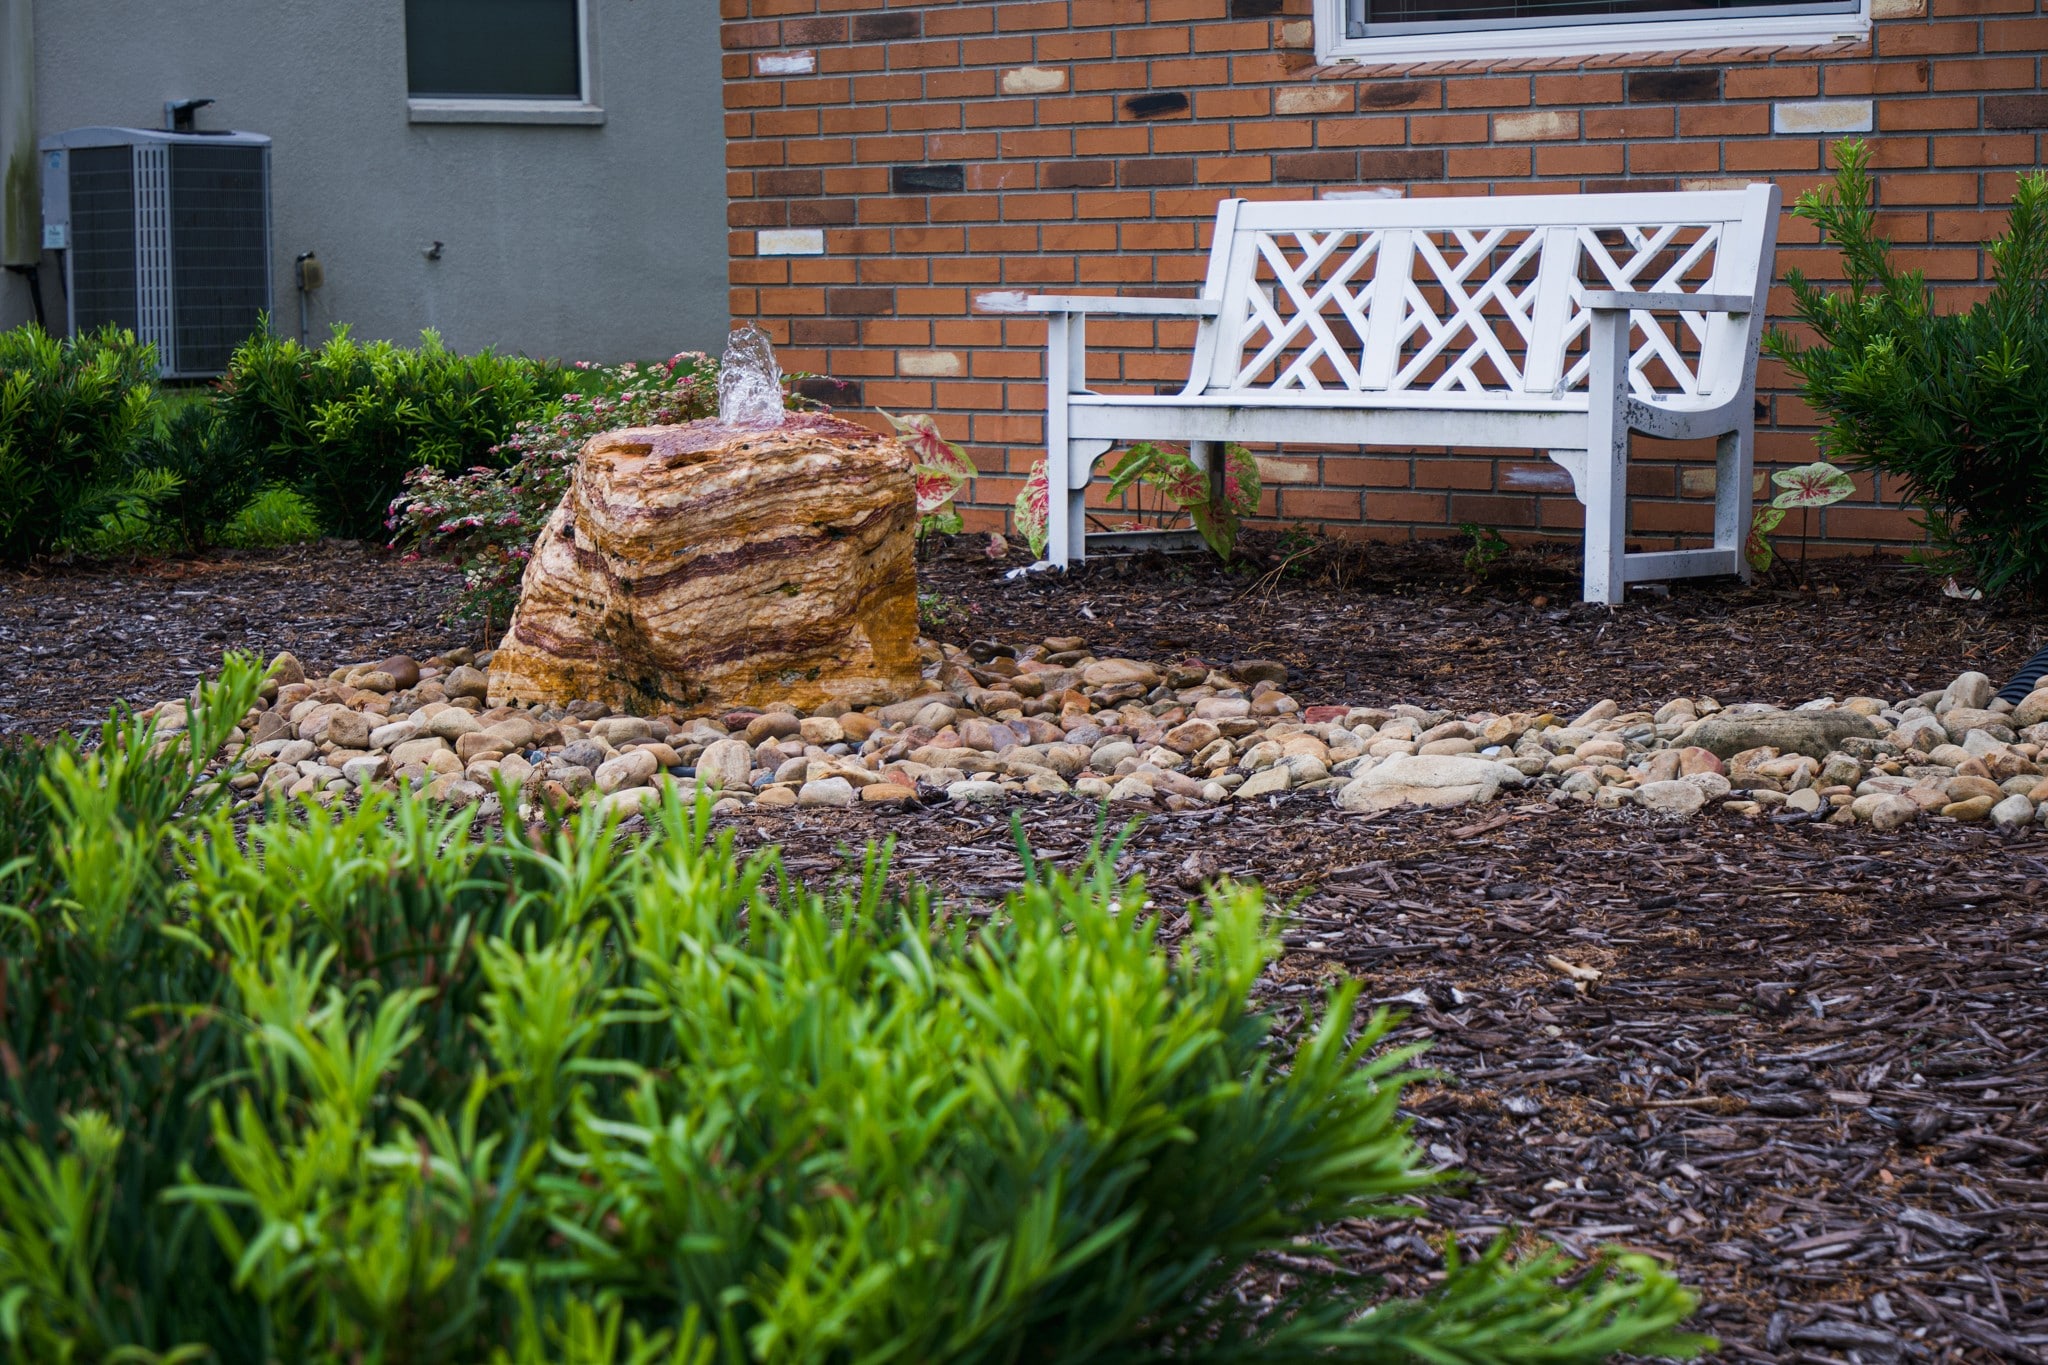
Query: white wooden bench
x: 1558, y: 323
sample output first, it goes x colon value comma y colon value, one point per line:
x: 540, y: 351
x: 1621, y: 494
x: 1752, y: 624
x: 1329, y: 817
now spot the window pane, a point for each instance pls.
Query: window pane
x: 1372, y: 17
x: 493, y: 49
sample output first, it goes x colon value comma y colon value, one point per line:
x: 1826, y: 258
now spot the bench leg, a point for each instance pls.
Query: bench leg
x: 1606, y: 481
x: 1734, y: 462
x: 1208, y: 457
x: 1066, y: 349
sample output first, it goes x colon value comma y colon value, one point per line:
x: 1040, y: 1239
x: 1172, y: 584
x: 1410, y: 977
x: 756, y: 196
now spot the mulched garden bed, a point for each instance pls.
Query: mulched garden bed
x: 1378, y: 625
x: 76, y: 640
x: 1812, y: 1070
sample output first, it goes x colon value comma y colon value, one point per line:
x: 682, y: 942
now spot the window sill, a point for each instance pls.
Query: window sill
x: 502, y: 111
x: 1588, y: 40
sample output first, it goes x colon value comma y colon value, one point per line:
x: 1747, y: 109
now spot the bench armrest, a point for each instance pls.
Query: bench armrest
x: 1073, y: 303
x: 1614, y: 300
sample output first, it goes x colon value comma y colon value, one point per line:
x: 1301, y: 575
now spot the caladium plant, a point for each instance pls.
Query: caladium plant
x: 1819, y: 484
x: 1032, y: 510
x: 1803, y: 488
x: 939, y: 471
x: 1174, y: 472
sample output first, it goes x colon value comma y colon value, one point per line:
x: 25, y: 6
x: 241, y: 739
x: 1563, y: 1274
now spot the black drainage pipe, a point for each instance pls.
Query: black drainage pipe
x: 2023, y: 683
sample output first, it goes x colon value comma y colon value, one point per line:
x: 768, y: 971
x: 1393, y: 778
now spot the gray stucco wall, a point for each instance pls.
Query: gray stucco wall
x: 601, y: 242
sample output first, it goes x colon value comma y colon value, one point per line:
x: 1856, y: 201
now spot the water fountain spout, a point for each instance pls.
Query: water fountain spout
x: 749, y: 381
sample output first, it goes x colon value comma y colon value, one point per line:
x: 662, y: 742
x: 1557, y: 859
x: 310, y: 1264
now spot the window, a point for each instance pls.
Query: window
x: 498, y: 60
x: 1422, y: 30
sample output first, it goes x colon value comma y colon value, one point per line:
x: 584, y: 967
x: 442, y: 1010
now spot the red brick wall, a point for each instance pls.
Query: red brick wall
x: 951, y: 148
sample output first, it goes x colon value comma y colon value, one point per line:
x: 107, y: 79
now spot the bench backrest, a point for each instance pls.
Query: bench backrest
x: 1478, y: 294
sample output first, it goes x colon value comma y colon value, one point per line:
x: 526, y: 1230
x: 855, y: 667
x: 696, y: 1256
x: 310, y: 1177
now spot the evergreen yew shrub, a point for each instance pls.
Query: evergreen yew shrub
x: 383, y: 1085
x: 70, y: 412
x: 344, y: 423
x: 1954, y: 406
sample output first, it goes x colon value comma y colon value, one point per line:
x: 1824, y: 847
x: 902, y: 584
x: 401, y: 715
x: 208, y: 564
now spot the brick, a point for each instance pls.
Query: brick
x: 1161, y: 170
x: 1034, y: 80
x: 1400, y: 94
x: 1414, y: 164
x: 824, y: 30
x: 2016, y: 111
x: 927, y: 179
x: 1544, y: 124
x: 860, y: 301
x: 1158, y: 104
x: 930, y: 364
x: 1673, y: 87
x: 1823, y: 116
x: 838, y: 393
x: 1057, y: 175
x: 1314, y: 99
x: 1490, y: 509
x: 1316, y: 166
x: 893, y: 27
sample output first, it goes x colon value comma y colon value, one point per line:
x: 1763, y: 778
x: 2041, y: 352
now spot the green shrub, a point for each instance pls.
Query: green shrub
x: 345, y: 423
x: 274, y: 517
x: 1949, y: 404
x: 212, y: 475
x: 382, y: 1085
x: 70, y: 411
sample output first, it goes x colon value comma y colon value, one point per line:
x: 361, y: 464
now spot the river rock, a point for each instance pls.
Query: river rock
x: 2012, y: 812
x: 1427, y: 780
x: 1970, y: 691
x: 726, y: 764
x: 2032, y: 710
x: 706, y: 566
x: 1675, y: 797
x: 1813, y: 733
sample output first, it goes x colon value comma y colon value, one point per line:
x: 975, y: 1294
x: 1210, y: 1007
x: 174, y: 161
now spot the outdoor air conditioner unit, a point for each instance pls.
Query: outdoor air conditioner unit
x: 164, y: 233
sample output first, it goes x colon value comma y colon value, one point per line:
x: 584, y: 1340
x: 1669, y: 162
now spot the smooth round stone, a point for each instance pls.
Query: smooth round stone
x: 2012, y: 812
x: 827, y: 791
x: 771, y: 798
x: 403, y: 670
x: 975, y: 792
x: 464, y: 681
x: 726, y: 764
x: 1973, y: 808
x: 635, y: 768
x: 1676, y: 797
x: 1805, y: 799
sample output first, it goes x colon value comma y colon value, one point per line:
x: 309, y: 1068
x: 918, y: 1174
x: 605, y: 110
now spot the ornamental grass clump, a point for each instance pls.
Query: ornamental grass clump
x: 385, y: 1085
x: 1950, y: 405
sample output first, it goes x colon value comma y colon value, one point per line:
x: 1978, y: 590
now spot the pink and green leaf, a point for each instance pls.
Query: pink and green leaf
x: 1033, y: 509
x: 1757, y: 550
x: 1812, y: 485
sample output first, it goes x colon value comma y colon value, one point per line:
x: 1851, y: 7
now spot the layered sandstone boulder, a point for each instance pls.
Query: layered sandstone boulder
x: 709, y: 566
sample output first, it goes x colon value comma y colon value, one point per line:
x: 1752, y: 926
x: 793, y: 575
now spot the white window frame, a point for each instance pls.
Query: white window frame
x: 1594, y: 37
x: 584, y: 109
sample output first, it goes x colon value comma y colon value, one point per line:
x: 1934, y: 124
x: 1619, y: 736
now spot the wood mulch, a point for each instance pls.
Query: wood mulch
x: 76, y: 640
x: 1376, y: 624
x: 1812, y: 1072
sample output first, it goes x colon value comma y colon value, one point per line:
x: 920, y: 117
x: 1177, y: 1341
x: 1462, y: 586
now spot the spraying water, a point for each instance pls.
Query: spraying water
x: 749, y: 381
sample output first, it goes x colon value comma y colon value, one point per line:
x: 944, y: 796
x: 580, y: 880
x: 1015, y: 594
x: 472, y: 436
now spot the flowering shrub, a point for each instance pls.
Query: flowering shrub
x: 487, y: 519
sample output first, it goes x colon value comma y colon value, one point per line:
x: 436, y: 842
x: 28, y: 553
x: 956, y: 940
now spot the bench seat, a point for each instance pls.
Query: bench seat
x: 1556, y: 323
